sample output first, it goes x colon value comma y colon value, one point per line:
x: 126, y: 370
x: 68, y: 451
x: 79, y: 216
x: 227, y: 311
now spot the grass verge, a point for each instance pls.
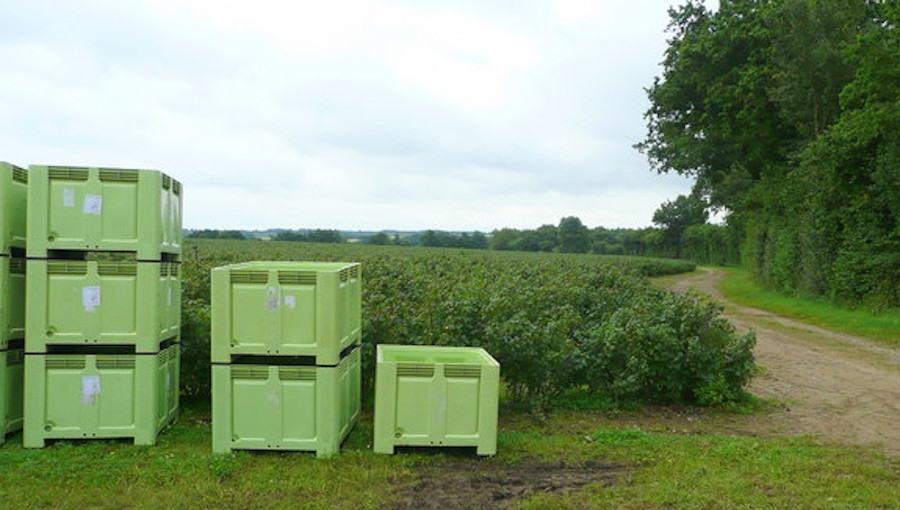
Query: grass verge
x: 883, y: 326
x: 642, y: 459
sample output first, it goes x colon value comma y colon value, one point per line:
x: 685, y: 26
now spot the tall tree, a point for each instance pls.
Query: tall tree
x: 573, y: 235
x: 674, y: 217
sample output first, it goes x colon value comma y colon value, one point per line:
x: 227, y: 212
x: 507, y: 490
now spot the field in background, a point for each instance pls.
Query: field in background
x: 583, y: 456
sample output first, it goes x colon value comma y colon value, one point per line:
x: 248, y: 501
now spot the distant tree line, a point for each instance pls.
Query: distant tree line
x: 312, y: 236
x: 681, y: 232
x: 216, y: 234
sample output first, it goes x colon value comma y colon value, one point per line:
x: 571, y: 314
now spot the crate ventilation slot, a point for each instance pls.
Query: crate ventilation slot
x: 349, y: 274
x: 249, y: 277
x: 462, y: 371
x: 17, y: 265
x: 349, y: 360
x: 166, y: 356
x: 20, y: 175
x: 250, y: 372
x: 113, y: 175
x: 113, y: 268
x: 62, y: 173
x: 297, y: 277
x: 111, y: 362
x: 67, y: 268
x: 297, y: 373
x: 66, y: 363
x: 15, y: 357
x: 176, y: 187
x: 166, y: 181
x: 415, y: 370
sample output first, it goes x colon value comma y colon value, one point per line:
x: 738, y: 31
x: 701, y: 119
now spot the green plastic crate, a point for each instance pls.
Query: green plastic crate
x: 285, y: 407
x: 12, y: 375
x: 90, y: 396
x: 73, y: 302
x: 435, y: 396
x: 103, y: 209
x: 13, y: 207
x: 286, y: 309
x: 12, y: 300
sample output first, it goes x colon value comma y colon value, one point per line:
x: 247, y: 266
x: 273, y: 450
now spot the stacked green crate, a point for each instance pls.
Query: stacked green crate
x: 285, y: 353
x: 13, y: 210
x: 103, y: 209
x: 103, y: 303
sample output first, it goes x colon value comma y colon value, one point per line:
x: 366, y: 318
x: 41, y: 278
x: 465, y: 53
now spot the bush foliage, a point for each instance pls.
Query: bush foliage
x: 554, y: 322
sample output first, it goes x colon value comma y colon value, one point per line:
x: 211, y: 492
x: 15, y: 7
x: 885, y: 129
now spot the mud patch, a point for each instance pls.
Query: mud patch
x: 461, y: 484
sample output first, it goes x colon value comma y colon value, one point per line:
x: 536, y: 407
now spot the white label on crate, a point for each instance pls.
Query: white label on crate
x: 90, y: 298
x: 271, y: 299
x: 93, y: 204
x: 68, y: 197
x: 290, y: 301
x: 273, y: 399
x: 90, y: 388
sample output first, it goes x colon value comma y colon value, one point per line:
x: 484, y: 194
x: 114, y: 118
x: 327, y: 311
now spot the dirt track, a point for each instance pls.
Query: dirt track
x: 836, y: 387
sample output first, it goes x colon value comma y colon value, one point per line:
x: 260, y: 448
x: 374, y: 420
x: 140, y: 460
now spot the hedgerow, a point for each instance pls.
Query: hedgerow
x: 556, y: 323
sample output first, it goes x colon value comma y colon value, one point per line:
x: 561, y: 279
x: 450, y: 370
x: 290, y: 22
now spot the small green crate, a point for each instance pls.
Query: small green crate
x: 103, y: 209
x: 285, y: 407
x: 74, y: 302
x: 93, y: 396
x: 13, y: 207
x: 12, y: 376
x: 286, y: 309
x: 435, y: 396
x: 12, y: 299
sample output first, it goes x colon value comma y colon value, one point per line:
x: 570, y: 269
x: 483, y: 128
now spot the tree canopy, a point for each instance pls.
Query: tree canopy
x: 787, y: 112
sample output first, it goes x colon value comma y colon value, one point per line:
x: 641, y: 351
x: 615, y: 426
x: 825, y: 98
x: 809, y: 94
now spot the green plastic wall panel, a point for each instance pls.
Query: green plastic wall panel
x: 12, y: 299
x: 286, y: 308
x: 13, y: 207
x: 87, y: 396
x: 435, y: 396
x: 12, y: 376
x: 285, y: 407
x: 103, y: 209
x: 101, y: 303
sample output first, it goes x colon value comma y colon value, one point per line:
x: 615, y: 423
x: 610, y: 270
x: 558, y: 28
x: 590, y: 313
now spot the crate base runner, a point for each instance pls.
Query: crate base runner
x: 88, y: 396
x: 12, y: 375
x: 285, y: 407
x: 435, y: 396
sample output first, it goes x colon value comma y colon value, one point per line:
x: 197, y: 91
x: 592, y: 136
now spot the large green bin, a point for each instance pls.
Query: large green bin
x: 89, y: 396
x: 103, y: 209
x: 436, y: 396
x: 12, y: 375
x: 285, y: 407
x: 286, y: 309
x: 13, y: 207
x: 12, y: 299
x: 73, y: 302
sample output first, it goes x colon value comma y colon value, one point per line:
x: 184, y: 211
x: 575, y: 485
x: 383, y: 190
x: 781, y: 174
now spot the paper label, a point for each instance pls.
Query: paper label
x: 290, y: 301
x: 271, y: 299
x: 68, y: 197
x: 90, y: 388
x: 93, y: 204
x: 90, y: 298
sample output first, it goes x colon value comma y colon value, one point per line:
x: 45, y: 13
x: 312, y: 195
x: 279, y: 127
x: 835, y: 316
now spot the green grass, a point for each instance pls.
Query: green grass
x: 883, y: 326
x: 659, y: 464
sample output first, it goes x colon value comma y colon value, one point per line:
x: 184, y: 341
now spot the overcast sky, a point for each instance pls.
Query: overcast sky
x: 359, y: 114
